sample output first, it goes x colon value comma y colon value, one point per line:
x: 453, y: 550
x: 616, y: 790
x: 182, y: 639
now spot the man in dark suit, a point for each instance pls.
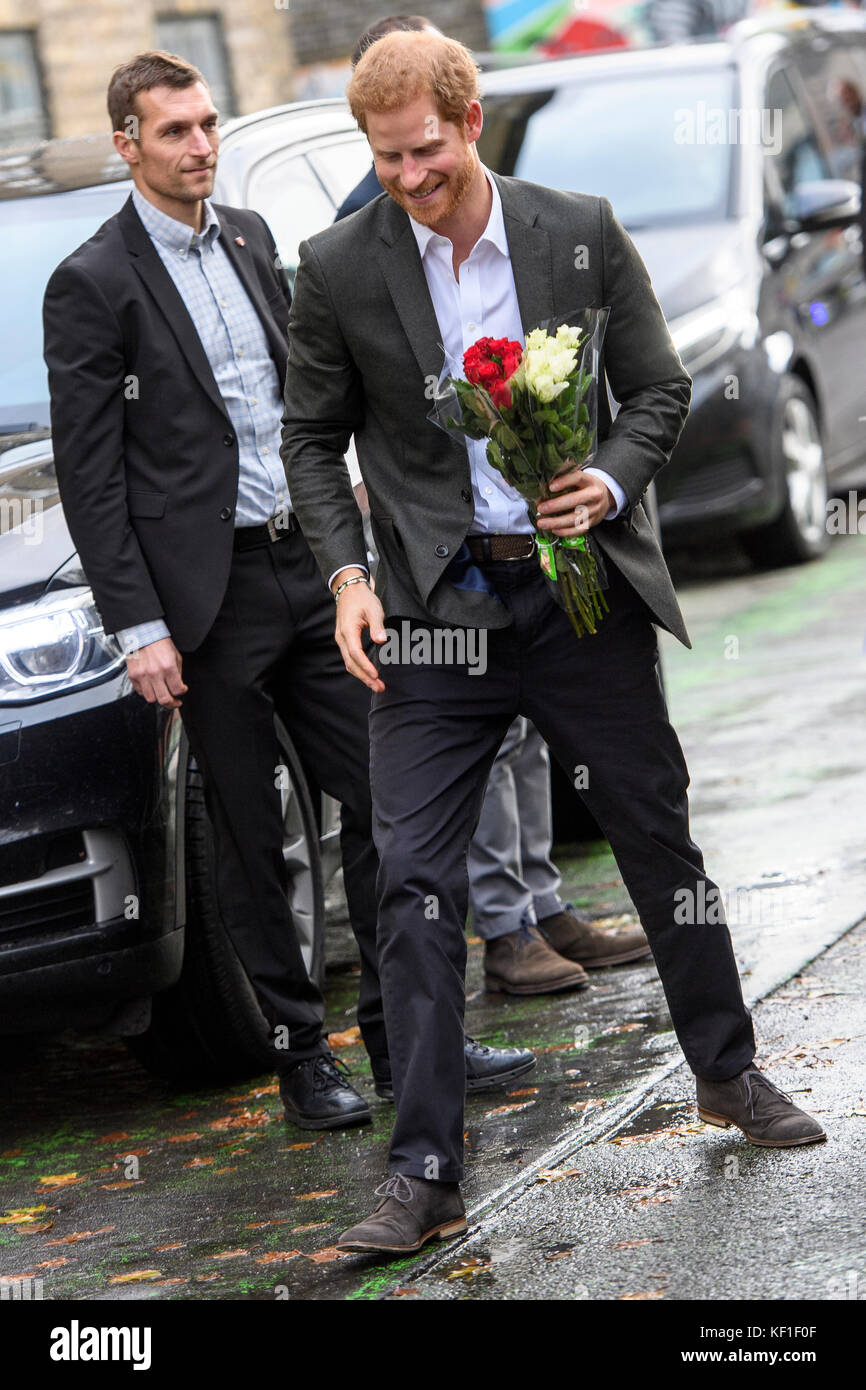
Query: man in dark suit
x: 452, y: 252
x: 165, y: 338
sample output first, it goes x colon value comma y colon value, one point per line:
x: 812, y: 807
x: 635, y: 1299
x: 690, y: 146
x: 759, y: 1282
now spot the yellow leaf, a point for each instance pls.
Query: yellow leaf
x: 135, y: 1276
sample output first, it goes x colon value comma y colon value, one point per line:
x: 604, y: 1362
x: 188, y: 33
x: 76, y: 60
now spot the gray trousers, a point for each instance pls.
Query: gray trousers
x: 512, y: 880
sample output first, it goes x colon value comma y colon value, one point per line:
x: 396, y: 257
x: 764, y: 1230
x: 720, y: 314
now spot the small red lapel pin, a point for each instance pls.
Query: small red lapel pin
x: 240, y: 241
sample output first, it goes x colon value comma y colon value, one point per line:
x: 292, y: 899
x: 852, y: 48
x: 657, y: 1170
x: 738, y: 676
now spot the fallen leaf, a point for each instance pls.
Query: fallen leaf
x: 311, y: 1196
x: 135, y: 1276
x: 275, y: 1255
x: 404, y: 1292
x: 581, y: 1105
x: 75, y: 1236
x: 633, y: 1244
x: 133, y: 1153
x: 228, y: 1255
x: 258, y: 1225
x: 225, y: 1170
x: 310, y: 1226
x: 205, y: 1278
x: 620, y: 1028
x: 648, y: 1293
x: 245, y: 1119
x: 674, y: 1132
x: 557, y: 1174
x: 468, y: 1268
x: 60, y: 1180
x: 558, y: 1254
x: 38, y: 1229
x: 265, y: 1091
x: 53, y: 1264
x: 293, y: 1148
x: 525, y: 1091
x: 350, y: 1038
x: 330, y: 1252
x: 126, y: 1182
x: 183, y: 1138
x: 199, y: 1162
x: 114, y: 1137
x: 11, y: 1153
x: 177, y: 1280
x: 17, y: 1216
x: 175, y: 1245
x: 509, y: 1109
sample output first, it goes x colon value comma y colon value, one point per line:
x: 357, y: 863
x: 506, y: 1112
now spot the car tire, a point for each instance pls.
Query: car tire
x: 799, y: 532
x: 208, y: 1027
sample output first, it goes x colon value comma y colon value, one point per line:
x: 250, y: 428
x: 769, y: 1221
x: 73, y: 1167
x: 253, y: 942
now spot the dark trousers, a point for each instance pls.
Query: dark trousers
x: 271, y: 651
x: 434, y: 732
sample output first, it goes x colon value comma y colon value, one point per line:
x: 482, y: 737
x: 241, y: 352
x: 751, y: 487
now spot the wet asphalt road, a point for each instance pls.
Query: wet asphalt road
x: 116, y: 1187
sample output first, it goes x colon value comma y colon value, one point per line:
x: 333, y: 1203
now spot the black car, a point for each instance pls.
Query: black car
x: 733, y: 164
x: 107, y: 911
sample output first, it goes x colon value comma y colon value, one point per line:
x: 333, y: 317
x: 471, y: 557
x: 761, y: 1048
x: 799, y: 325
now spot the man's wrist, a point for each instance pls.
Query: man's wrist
x: 347, y: 572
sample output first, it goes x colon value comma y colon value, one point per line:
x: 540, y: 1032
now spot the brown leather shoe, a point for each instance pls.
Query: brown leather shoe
x: 573, y: 935
x: 522, y: 963
x: 764, y: 1113
x: 411, y: 1212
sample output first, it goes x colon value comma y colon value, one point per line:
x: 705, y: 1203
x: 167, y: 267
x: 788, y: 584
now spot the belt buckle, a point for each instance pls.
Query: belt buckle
x: 273, y: 533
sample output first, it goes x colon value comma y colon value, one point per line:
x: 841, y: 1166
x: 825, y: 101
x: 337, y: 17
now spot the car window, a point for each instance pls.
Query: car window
x: 658, y: 145
x: 342, y: 165
x: 798, y: 157
x: 36, y: 234
x: 838, y: 92
x: 289, y: 194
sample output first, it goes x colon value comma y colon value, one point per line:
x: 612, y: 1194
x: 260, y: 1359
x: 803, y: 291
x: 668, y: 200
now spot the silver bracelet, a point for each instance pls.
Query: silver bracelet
x: 356, y: 579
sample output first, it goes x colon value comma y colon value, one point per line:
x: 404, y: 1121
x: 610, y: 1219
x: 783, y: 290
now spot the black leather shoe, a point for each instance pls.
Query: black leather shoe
x: 756, y: 1106
x: 317, y: 1095
x: 486, y: 1068
x: 411, y: 1212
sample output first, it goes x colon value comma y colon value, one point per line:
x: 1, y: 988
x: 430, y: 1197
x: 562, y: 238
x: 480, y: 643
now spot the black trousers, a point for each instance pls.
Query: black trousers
x: 272, y: 650
x: 435, y: 731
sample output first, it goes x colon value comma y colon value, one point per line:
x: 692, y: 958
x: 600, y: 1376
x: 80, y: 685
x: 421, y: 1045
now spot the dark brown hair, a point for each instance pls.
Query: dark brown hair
x: 392, y: 24
x: 151, y: 69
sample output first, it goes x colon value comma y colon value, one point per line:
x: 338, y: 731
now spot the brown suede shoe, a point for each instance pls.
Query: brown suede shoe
x: 411, y: 1212
x: 572, y: 935
x: 522, y: 963
x: 764, y: 1113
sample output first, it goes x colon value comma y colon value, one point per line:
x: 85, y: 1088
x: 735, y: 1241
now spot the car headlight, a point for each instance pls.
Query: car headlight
x: 54, y: 645
x: 712, y: 330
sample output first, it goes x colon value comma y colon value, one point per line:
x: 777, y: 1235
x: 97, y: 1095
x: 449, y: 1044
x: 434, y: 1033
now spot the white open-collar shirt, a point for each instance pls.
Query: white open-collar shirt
x: 482, y: 303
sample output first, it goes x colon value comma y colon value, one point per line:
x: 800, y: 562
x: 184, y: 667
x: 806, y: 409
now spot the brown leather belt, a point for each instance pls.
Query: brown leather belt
x: 498, y: 546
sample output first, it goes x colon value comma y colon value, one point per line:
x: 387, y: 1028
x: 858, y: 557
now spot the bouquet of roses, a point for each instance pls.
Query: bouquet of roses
x: 537, y: 406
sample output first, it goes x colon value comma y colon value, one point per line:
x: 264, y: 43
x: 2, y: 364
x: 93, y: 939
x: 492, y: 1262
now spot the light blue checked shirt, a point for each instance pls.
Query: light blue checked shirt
x: 232, y: 335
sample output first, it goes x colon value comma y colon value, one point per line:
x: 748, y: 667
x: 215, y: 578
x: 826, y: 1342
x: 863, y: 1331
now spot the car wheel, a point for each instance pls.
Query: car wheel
x: 799, y: 533
x: 209, y: 1027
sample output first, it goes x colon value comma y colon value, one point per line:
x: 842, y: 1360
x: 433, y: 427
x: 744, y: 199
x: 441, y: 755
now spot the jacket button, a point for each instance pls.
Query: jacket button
x: 466, y: 494
x: 442, y: 551
x: 228, y: 440
x: 226, y: 514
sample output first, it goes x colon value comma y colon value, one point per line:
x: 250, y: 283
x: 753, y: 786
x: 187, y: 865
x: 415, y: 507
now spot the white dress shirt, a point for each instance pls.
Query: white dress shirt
x: 483, y: 304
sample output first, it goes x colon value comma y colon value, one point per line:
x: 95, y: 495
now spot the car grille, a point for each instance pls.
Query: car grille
x: 61, y: 907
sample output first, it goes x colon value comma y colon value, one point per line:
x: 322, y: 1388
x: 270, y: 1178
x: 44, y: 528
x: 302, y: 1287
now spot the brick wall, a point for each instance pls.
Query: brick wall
x: 326, y: 30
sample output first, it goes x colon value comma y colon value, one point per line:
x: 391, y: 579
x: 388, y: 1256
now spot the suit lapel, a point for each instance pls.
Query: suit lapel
x: 400, y: 260
x: 531, y: 256
x: 147, y: 264
x: 240, y: 256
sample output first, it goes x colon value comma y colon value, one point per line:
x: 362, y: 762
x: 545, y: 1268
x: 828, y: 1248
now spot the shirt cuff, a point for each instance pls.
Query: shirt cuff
x: 131, y: 638
x: 619, y: 498
x: 355, y: 566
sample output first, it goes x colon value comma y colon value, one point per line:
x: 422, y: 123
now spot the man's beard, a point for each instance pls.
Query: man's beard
x: 444, y: 208
x: 181, y: 190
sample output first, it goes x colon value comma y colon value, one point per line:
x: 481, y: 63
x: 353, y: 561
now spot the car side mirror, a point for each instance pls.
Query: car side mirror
x: 824, y: 203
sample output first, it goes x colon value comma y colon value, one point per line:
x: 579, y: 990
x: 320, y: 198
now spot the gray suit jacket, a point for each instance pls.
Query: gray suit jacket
x: 364, y: 348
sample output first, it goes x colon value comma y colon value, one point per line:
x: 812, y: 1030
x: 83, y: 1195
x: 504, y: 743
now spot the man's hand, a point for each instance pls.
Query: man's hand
x: 155, y: 672
x: 357, y: 608
x: 582, y: 501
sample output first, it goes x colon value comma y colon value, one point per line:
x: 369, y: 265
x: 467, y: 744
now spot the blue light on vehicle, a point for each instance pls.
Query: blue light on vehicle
x: 818, y: 312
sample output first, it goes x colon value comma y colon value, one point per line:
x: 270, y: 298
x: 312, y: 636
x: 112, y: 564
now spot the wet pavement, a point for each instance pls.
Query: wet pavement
x: 116, y: 1186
